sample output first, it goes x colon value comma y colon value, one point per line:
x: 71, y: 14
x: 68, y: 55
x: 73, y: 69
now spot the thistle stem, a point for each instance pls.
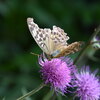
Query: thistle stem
x: 31, y: 92
x: 54, y: 96
x: 87, y: 45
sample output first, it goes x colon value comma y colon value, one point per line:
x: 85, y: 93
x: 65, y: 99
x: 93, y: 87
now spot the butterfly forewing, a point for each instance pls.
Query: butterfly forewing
x: 40, y: 35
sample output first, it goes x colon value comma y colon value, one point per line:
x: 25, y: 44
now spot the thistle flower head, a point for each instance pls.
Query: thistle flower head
x: 57, y: 72
x: 88, y: 85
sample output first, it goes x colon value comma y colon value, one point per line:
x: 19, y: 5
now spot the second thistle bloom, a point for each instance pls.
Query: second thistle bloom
x: 88, y: 85
x: 57, y: 72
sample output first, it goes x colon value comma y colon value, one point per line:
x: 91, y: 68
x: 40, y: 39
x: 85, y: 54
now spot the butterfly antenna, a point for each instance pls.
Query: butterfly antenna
x: 35, y: 54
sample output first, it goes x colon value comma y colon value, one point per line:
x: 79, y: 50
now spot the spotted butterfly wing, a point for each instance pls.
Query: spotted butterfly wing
x: 52, y: 42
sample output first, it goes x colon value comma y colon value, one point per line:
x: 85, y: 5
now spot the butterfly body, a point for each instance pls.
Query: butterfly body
x: 52, y: 42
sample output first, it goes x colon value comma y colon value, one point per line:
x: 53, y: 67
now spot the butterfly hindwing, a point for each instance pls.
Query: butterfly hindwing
x: 66, y: 50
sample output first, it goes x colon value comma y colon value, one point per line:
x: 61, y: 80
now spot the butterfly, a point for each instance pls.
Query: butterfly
x: 52, y: 42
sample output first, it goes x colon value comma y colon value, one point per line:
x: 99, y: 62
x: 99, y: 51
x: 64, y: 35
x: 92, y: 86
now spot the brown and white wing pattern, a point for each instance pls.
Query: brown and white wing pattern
x: 71, y: 48
x: 60, y: 37
x: 41, y: 36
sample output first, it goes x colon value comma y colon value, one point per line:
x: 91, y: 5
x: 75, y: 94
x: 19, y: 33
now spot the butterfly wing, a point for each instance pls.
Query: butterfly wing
x: 66, y: 50
x: 42, y: 37
x: 60, y: 37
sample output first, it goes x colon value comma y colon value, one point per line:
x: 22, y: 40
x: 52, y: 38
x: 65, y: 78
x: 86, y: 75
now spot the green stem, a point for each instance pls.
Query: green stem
x: 86, y: 46
x: 54, y: 96
x: 31, y: 92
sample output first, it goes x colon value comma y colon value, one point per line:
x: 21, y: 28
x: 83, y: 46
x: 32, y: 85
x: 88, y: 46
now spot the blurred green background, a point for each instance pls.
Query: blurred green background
x: 19, y: 70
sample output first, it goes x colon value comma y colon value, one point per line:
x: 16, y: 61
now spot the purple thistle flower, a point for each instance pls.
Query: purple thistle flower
x: 57, y: 72
x: 88, y: 85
